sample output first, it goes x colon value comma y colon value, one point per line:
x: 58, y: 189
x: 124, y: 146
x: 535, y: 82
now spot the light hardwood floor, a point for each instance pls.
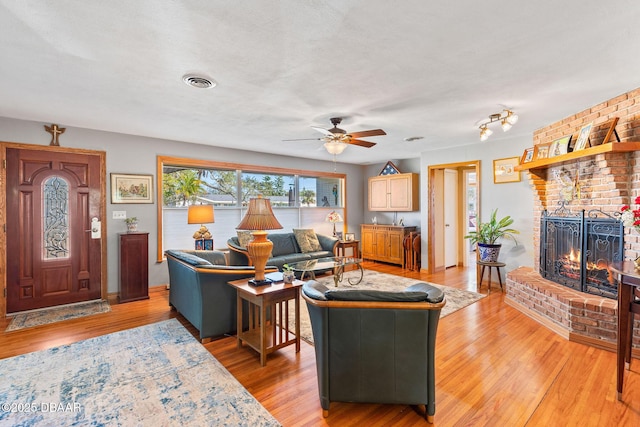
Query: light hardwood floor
x: 494, y: 367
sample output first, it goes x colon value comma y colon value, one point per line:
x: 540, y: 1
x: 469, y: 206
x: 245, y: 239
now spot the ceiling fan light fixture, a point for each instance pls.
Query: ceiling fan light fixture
x: 335, y: 147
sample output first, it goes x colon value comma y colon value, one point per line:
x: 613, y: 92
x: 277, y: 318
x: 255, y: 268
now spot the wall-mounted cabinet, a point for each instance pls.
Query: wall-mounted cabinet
x: 398, y: 192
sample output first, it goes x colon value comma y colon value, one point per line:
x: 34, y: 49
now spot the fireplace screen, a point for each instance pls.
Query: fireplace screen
x: 576, y: 251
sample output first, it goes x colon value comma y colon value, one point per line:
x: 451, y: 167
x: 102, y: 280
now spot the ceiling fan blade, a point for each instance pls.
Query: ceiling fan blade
x: 321, y: 130
x: 303, y: 139
x: 364, y: 133
x: 361, y: 143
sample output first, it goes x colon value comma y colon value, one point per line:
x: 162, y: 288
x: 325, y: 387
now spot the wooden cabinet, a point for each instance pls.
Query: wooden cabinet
x: 133, y: 257
x: 398, y: 192
x: 384, y: 242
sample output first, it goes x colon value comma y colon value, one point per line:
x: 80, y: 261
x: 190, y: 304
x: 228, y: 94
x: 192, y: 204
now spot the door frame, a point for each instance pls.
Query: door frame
x: 3, y: 211
x: 433, y: 193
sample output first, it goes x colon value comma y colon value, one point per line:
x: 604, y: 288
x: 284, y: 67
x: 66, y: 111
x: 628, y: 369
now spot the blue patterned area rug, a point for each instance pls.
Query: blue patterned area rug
x: 57, y: 314
x: 154, y: 375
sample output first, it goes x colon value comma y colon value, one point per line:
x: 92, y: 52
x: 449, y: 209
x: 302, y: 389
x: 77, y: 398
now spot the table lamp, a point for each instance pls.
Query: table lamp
x: 201, y: 214
x: 259, y: 217
x: 334, y: 217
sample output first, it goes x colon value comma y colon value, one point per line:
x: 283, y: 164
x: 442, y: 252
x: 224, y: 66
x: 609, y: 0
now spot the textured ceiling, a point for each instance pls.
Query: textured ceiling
x: 412, y: 68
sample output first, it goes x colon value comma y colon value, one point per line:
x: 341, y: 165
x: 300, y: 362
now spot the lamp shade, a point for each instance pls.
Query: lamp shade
x: 259, y: 216
x: 334, y: 217
x: 200, y: 214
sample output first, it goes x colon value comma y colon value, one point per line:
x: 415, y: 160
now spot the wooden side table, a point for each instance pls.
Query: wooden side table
x: 344, y: 244
x: 491, y: 265
x: 268, y: 335
x: 628, y: 305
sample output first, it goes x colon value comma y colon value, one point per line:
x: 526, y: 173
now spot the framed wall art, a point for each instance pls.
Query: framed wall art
x: 504, y: 170
x: 127, y: 188
x: 583, y: 137
x: 560, y: 146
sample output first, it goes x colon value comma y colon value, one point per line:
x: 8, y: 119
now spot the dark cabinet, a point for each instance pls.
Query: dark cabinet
x: 133, y: 267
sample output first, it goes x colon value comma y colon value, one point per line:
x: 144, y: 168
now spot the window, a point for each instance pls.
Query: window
x: 56, y: 218
x: 300, y: 199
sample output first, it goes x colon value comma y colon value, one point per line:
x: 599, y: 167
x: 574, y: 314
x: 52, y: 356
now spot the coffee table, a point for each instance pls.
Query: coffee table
x: 337, y: 264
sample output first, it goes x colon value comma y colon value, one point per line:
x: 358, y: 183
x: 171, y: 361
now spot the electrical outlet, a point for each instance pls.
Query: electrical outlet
x: 119, y: 214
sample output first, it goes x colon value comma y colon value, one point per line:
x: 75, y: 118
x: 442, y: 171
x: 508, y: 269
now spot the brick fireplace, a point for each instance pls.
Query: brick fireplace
x: 604, y: 180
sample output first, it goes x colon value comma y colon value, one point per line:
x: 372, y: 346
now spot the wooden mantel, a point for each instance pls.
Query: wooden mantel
x: 610, y: 147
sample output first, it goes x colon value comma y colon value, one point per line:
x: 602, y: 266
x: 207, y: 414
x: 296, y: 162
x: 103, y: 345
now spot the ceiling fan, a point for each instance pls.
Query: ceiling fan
x: 336, y: 139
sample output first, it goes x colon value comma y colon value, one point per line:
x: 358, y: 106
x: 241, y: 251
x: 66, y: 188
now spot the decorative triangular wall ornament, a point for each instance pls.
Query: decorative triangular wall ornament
x: 389, y: 169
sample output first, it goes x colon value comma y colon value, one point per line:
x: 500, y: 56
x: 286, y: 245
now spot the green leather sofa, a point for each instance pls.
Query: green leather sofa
x: 285, y: 250
x: 199, y: 291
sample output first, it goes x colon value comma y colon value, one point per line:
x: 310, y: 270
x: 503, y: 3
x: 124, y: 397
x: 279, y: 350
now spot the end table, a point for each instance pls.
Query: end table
x: 344, y: 244
x: 268, y: 335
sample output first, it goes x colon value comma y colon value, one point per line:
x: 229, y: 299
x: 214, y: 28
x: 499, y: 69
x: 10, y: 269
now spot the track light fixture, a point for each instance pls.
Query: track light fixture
x: 507, y: 119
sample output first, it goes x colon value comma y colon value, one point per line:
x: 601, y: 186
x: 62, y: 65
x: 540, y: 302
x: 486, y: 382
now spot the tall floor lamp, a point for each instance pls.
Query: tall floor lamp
x: 259, y: 217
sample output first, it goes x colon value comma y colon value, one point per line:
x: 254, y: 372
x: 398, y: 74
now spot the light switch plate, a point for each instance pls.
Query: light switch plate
x: 119, y: 214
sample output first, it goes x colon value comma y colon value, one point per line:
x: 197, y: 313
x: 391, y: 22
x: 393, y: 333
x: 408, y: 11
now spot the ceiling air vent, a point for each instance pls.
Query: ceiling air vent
x: 199, y: 82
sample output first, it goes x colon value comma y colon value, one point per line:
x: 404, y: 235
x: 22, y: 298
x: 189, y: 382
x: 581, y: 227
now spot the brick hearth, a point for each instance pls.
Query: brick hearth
x: 574, y: 315
x: 605, y: 182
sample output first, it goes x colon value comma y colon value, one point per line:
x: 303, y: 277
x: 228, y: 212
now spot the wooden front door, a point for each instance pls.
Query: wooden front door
x: 52, y: 198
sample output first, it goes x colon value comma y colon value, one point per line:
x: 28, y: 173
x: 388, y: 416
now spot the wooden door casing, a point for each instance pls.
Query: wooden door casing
x: 35, y: 282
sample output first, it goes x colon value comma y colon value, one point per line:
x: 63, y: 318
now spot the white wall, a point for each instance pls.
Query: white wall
x: 514, y: 199
x: 135, y: 154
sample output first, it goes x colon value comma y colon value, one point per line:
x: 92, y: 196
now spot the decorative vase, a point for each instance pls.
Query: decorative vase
x: 488, y: 253
x: 132, y: 227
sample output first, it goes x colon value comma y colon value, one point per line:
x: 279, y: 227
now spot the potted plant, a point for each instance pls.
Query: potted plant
x: 287, y: 273
x: 132, y: 224
x: 487, y: 233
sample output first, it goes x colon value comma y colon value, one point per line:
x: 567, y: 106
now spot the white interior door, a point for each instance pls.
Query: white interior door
x: 450, y: 218
x: 438, y: 219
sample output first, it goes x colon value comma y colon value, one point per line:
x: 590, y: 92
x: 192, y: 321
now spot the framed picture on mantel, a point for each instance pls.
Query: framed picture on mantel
x: 527, y: 156
x: 560, y: 146
x: 583, y: 137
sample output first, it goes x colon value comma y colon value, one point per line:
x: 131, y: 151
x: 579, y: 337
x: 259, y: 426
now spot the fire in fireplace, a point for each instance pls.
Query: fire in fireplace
x: 577, y: 249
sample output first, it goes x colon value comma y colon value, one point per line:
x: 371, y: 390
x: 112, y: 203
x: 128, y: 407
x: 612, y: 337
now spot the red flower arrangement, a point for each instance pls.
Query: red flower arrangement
x: 631, y: 217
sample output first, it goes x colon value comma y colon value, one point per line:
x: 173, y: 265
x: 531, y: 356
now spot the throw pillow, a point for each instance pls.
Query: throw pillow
x: 244, y: 237
x: 307, y: 240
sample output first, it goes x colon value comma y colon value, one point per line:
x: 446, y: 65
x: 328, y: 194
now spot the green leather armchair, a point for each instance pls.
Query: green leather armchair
x: 375, y: 346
